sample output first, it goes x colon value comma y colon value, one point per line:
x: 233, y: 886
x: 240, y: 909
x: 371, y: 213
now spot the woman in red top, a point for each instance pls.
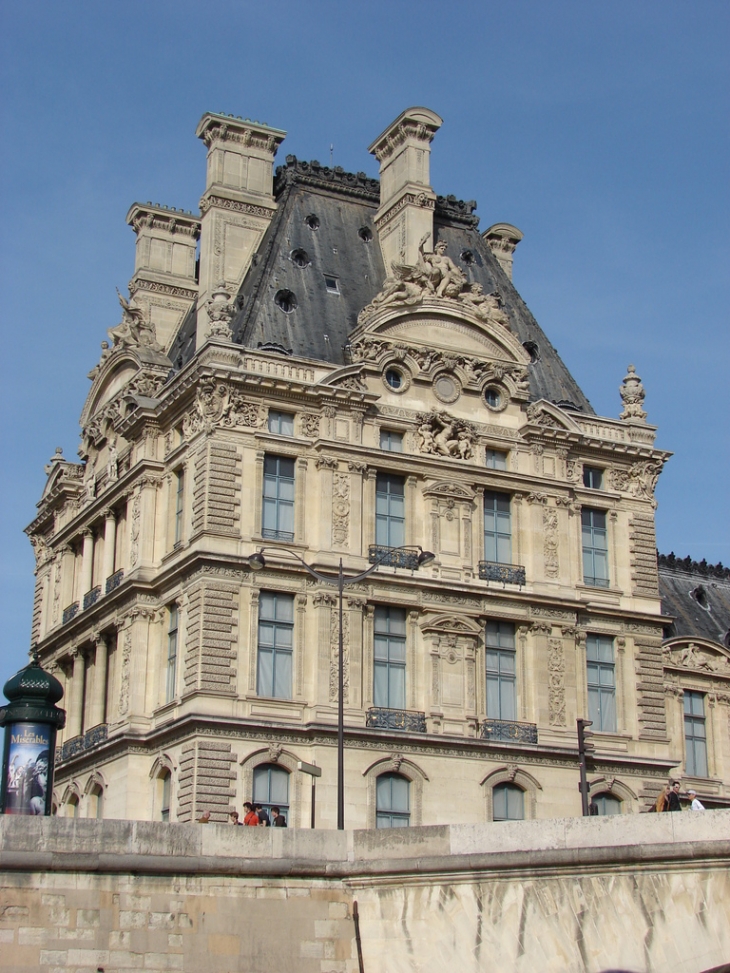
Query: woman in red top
x: 251, y: 817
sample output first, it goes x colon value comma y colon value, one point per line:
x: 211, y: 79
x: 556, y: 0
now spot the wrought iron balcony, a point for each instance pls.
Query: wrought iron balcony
x: 277, y: 535
x: 91, y: 597
x: 393, y: 558
x: 396, y: 719
x: 70, y: 612
x: 507, y: 731
x: 506, y: 573
x: 114, y: 580
x: 85, y: 741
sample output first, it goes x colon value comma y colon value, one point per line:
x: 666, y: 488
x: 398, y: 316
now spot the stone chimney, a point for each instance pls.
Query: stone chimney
x: 407, y: 201
x: 164, y: 283
x: 238, y: 203
x: 502, y: 240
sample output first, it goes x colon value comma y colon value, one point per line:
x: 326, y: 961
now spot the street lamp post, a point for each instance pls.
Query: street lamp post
x: 257, y: 562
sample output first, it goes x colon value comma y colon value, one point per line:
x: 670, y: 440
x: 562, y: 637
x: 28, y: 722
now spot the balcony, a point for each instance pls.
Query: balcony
x: 393, y: 558
x: 506, y: 573
x: 379, y: 718
x: 70, y: 612
x: 86, y: 741
x: 113, y: 581
x: 507, y: 731
x: 91, y: 597
x: 277, y: 535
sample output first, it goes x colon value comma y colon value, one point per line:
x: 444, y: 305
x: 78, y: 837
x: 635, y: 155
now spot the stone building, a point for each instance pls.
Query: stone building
x: 347, y: 369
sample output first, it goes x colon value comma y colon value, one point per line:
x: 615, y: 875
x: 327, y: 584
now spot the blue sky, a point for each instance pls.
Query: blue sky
x: 600, y: 130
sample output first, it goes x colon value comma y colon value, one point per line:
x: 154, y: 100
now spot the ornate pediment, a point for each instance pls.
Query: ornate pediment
x: 547, y: 416
x: 454, y: 625
x: 697, y: 655
x: 449, y: 490
x: 62, y: 476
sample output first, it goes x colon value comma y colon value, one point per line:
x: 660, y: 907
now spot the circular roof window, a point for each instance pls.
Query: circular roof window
x: 312, y: 221
x: 300, y: 257
x: 286, y: 300
x: 365, y: 234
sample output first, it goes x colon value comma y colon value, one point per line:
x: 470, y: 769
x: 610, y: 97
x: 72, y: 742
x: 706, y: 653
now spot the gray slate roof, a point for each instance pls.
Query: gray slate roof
x: 343, y: 205
x: 698, y: 598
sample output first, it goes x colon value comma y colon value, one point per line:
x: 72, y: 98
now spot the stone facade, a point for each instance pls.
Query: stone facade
x: 304, y: 396
x: 646, y: 893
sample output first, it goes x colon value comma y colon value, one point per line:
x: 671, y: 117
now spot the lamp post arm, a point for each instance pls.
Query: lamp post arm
x: 341, y: 582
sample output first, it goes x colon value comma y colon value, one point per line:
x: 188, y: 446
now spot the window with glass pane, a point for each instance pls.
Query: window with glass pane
x: 392, y: 796
x: 171, y: 673
x: 496, y: 459
x: 607, y: 804
x: 390, y: 510
x: 389, y: 665
x: 592, y: 477
x: 276, y: 640
x: 695, y: 737
x: 497, y: 528
x: 508, y: 803
x: 179, y: 505
x: 601, y: 678
x: 166, y: 788
x: 281, y: 422
x: 278, y: 512
x: 271, y: 788
x: 595, y: 547
x: 501, y: 671
x: 392, y: 441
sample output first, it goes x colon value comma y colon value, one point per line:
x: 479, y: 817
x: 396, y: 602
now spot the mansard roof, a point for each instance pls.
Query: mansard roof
x: 697, y: 595
x: 320, y: 258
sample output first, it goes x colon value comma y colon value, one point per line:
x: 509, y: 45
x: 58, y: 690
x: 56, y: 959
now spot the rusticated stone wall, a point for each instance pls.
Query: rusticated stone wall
x: 629, y: 893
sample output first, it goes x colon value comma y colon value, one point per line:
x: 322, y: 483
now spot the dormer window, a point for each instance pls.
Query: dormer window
x: 332, y: 284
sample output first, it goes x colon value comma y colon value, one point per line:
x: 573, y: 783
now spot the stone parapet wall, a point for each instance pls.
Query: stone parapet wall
x: 632, y: 893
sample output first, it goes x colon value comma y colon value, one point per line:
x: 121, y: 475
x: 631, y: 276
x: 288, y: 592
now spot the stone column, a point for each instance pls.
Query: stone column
x: 98, y: 702
x: 87, y: 562
x: 76, y: 702
x: 110, y: 532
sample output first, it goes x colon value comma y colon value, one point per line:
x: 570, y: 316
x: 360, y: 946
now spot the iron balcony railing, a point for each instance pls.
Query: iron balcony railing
x: 506, y: 573
x: 508, y: 731
x: 382, y: 718
x: 85, y: 741
x: 70, y: 612
x: 393, y: 558
x: 277, y: 535
x: 114, y: 580
x: 91, y: 597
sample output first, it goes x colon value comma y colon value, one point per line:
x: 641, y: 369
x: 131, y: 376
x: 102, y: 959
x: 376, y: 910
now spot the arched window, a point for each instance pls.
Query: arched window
x: 508, y: 803
x: 271, y: 788
x: 164, y: 783
x: 96, y: 802
x: 393, y: 801
x: 606, y: 804
x: 72, y: 807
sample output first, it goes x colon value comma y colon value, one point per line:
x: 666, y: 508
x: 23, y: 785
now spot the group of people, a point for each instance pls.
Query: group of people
x: 256, y: 816
x: 668, y: 799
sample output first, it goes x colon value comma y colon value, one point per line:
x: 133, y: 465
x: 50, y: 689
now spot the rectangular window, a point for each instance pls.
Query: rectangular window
x: 172, y: 640
x: 595, y: 547
x: 501, y: 671
x: 389, y: 668
x: 332, y: 284
x: 278, y: 512
x: 276, y: 644
x: 497, y: 528
x: 281, y: 422
x: 390, y: 510
x: 695, y: 736
x: 496, y: 459
x: 601, y: 678
x: 392, y: 441
x: 592, y: 478
x: 165, y: 801
x: 179, y: 505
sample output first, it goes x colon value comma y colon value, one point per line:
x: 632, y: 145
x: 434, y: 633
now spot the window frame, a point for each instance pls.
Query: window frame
x: 390, y: 510
x: 591, y: 473
x: 593, y: 555
x: 505, y: 681
x: 173, y: 642
x: 490, y: 458
x: 283, y: 651
x: 395, y: 668
x: 398, y: 814
x: 508, y: 787
x: 600, y: 712
x: 277, y: 415
x: 179, y: 531
x: 393, y: 445
x: 692, y: 742
x: 497, y: 540
x: 277, y: 507
x: 284, y: 806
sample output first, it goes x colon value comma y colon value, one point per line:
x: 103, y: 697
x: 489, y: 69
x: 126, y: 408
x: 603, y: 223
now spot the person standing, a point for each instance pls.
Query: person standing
x: 277, y: 818
x: 661, y: 801
x: 234, y: 818
x: 673, y: 798
x: 263, y: 815
x: 204, y: 818
x: 250, y: 818
x: 696, y: 803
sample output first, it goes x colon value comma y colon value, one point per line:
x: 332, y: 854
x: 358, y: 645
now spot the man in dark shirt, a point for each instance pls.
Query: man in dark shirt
x: 673, y: 799
x: 277, y: 818
x: 262, y: 814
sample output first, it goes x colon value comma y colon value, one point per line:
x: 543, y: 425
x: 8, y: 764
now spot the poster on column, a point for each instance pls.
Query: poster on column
x: 28, y: 767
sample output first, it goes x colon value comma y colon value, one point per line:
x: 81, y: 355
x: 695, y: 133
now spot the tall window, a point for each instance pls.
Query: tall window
x: 601, y: 673
x: 179, y: 505
x: 392, y: 799
x: 276, y: 639
x: 281, y: 422
x: 390, y: 510
x: 172, y: 642
x: 508, y: 803
x: 595, y: 547
x: 96, y: 802
x: 165, y: 785
x: 496, y: 459
x: 392, y: 441
x: 501, y: 671
x: 695, y: 736
x: 389, y: 669
x: 278, y: 513
x: 271, y: 788
x: 497, y: 528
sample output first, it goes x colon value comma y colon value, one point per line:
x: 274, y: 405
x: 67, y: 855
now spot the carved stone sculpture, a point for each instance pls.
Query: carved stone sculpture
x: 443, y: 277
x: 134, y: 331
x: 488, y: 307
x: 632, y: 396
x: 220, y: 310
x: 443, y: 435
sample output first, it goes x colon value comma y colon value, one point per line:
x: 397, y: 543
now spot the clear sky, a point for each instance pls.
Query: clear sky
x: 599, y: 129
